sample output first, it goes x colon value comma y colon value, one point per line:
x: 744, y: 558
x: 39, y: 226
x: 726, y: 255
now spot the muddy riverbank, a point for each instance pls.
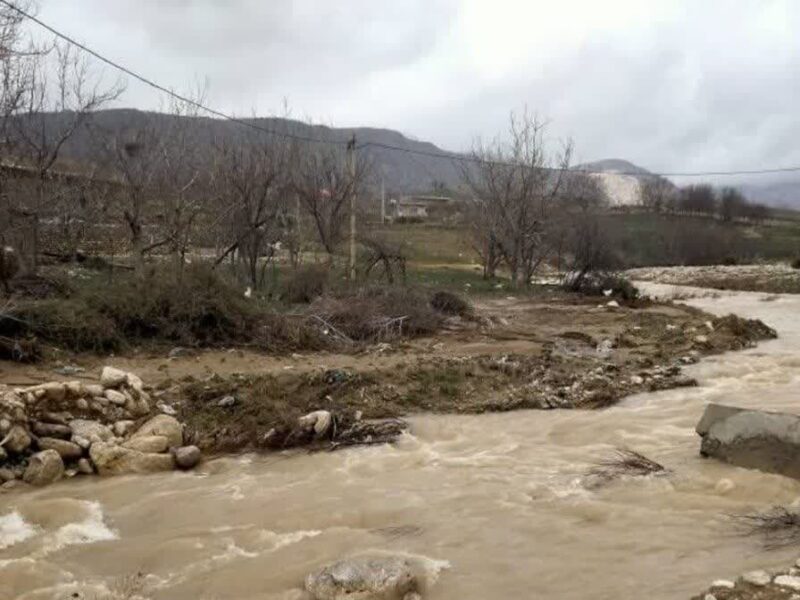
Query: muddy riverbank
x: 495, y: 505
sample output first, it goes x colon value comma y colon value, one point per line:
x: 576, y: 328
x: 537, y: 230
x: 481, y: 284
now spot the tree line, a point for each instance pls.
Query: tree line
x: 727, y: 203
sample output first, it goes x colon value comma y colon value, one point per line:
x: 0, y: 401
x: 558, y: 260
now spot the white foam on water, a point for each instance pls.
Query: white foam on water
x: 14, y: 529
x: 281, y: 540
x: 92, y: 529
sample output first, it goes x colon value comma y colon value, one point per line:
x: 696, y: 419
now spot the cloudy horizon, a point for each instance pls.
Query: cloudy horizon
x: 668, y: 85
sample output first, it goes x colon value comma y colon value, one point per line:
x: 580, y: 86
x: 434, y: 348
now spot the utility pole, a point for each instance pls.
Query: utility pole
x: 383, y: 200
x: 351, y: 164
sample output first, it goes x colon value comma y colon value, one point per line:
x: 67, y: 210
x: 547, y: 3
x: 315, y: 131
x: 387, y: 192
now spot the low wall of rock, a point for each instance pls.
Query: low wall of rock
x: 63, y: 429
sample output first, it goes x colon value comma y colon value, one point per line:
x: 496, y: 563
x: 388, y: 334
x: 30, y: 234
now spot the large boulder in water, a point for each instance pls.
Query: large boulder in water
x: 365, y: 578
x: 768, y: 441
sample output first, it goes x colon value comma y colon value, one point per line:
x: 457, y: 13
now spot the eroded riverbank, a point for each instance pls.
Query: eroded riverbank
x: 499, y: 497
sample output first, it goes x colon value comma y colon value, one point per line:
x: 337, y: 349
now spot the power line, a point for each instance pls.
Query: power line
x: 389, y: 147
x: 160, y: 87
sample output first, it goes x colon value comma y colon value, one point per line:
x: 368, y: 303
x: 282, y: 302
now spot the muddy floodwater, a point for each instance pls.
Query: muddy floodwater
x: 494, y: 503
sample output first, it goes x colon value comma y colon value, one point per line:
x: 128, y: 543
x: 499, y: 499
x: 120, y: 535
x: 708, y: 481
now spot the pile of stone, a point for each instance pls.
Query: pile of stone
x: 60, y: 429
x: 757, y: 585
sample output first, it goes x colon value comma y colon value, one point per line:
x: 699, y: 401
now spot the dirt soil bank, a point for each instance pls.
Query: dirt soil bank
x: 549, y: 351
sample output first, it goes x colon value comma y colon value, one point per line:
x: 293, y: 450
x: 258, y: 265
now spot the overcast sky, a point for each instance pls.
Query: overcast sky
x: 672, y: 85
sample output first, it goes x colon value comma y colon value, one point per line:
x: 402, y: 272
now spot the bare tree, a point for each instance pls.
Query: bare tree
x: 732, y: 204
x: 249, y: 180
x: 323, y: 186
x: 698, y: 199
x: 135, y: 156
x: 658, y: 194
x: 518, y: 184
x: 584, y: 243
x: 59, y: 98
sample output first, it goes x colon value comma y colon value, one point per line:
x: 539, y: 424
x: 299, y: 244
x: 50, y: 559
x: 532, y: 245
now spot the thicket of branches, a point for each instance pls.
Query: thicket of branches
x: 727, y: 204
x: 164, y: 185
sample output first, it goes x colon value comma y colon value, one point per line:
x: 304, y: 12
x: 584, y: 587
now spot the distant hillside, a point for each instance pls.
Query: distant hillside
x: 403, y: 172
x: 621, y: 179
x: 784, y: 193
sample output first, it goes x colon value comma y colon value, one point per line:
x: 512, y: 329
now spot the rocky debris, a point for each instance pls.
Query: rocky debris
x: 187, y: 457
x: 58, y: 429
x: 757, y: 585
x: 44, y: 468
x: 767, y: 441
x: 365, y: 578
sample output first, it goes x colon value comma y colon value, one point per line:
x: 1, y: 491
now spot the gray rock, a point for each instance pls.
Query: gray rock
x: 187, y: 457
x: 319, y: 420
x: 164, y: 425
x: 148, y: 443
x: 17, y: 440
x: 226, y: 401
x: 110, y: 459
x: 138, y: 405
x: 3, y: 455
x: 66, y: 450
x: 51, y: 430
x: 123, y: 428
x: 364, y: 578
x: 788, y: 581
x: 90, y: 430
x: 112, y: 378
x: 93, y: 389
x: 44, y: 468
x: 7, y: 475
x: 754, y: 439
x: 85, y: 466
x: 116, y: 397
x: 757, y: 578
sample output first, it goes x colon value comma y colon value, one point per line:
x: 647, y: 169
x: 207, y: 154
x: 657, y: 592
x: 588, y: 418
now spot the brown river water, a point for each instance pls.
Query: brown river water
x: 492, y: 506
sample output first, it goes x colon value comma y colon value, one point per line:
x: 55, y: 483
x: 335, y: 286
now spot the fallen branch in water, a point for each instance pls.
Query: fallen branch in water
x: 624, y: 463
x: 779, y: 526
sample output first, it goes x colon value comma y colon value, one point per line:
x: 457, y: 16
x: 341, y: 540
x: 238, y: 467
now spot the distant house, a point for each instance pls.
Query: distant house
x: 416, y: 207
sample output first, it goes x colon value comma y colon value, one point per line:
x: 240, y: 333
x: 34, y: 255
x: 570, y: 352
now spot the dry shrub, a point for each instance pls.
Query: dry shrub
x: 68, y: 323
x: 779, y: 526
x: 449, y: 303
x: 751, y: 330
x: 624, y: 463
x: 306, y: 284
x: 376, y: 314
x: 193, y: 307
x: 598, y: 285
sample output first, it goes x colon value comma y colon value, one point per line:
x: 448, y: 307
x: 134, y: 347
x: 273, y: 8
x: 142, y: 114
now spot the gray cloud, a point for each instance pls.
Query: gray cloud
x: 671, y: 85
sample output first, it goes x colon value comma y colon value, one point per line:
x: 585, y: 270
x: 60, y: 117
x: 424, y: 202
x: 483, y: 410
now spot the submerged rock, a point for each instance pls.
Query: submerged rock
x: 43, y: 468
x: 768, y: 441
x: 365, y: 578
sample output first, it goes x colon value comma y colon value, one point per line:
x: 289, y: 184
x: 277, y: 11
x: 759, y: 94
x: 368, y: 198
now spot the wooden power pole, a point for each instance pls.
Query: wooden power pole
x: 351, y: 164
x: 383, y: 200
